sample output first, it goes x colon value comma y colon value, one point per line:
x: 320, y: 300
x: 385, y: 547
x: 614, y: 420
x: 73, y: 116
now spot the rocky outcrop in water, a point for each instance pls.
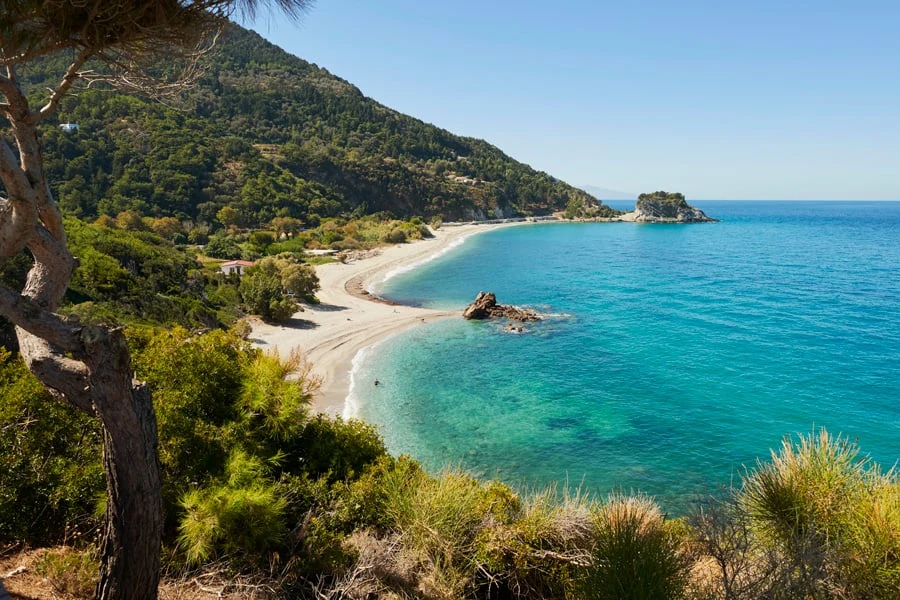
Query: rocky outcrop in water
x: 663, y: 207
x: 485, y: 307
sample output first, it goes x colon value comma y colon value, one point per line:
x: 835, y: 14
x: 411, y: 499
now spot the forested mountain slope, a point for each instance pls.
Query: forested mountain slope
x: 272, y: 135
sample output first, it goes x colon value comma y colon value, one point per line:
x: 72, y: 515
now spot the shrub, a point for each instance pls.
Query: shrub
x: 261, y: 240
x: 50, y: 472
x: 395, y: 236
x: 536, y: 548
x: 197, y: 236
x: 242, y: 328
x: 262, y: 292
x: 832, y: 516
x: 242, y: 518
x: 223, y: 247
x: 637, y: 554
x: 336, y: 449
x: 70, y: 572
x: 274, y: 409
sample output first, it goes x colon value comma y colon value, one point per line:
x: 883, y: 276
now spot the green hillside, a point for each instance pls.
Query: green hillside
x: 272, y: 135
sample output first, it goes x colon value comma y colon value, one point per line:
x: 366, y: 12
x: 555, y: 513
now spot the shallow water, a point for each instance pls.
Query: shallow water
x: 675, y: 354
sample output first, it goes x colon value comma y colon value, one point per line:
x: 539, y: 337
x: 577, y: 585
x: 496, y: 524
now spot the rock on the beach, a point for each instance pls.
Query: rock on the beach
x: 485, y: 306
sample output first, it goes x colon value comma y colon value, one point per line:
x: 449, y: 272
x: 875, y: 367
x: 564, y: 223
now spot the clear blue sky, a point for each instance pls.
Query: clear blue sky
x: 766, y: 99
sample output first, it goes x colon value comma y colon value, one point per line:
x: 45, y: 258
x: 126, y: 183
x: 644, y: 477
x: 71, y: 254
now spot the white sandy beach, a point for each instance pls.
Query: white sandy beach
x: 330, y: 334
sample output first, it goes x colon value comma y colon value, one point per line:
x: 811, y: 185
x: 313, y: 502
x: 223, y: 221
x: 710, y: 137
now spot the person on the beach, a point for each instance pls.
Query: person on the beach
x: 377, y: 382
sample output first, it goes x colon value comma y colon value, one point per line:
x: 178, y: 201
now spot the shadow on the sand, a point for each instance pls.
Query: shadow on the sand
x: 323, y: 307
x: 295, y: 323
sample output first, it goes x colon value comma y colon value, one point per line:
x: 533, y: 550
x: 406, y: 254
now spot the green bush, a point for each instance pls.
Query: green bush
x: 337, y: 449
x: 221, y: 246
x: 50, y: 472
x: 70, y: 572
x: 831, y: 515
x: 395, y: 236
x: 243, y: 518
x: 535, y: 547
x: 637, y: 554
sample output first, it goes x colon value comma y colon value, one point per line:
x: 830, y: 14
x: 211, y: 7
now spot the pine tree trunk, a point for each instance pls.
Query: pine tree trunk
x: 130, y: 549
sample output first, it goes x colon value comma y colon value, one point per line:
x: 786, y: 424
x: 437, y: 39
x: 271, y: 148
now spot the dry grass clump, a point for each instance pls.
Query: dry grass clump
x: 540, y: 550
x: 69, y: 571
x: 453, y: 537
x: 439, y: 521
x: 638, y: 553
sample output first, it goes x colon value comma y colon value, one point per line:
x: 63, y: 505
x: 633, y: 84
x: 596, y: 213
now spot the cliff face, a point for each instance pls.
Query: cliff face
x: 662, y: 207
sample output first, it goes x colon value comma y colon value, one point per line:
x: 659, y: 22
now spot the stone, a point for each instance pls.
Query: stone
x: 485, y: 307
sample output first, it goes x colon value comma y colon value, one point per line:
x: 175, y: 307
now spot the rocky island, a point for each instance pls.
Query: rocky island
x: 485, y: 307
x: 665, y: 207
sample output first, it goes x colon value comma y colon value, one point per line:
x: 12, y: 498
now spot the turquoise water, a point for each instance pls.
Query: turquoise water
x: 676, y: 354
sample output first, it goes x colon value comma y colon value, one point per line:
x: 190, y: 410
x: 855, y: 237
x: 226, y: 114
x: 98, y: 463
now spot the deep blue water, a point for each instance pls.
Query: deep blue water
x: 678, y: 353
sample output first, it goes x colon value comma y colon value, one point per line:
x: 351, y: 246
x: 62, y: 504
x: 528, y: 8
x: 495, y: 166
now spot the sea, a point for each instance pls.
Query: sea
x: 672, y: 358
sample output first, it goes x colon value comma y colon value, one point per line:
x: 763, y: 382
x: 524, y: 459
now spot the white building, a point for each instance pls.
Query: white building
x: 236, y: 266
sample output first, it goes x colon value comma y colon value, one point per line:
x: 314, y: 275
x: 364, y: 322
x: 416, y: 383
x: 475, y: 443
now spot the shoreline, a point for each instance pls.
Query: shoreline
x: 350, y: 318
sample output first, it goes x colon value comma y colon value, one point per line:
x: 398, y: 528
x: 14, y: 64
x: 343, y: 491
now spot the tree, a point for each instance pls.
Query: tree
x: 262, y: 292
x: 228, y: 216
x: 89, y: 367
x: 224, y: 247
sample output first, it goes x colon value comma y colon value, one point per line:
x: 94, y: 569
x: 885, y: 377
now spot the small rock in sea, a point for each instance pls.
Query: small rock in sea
x: 485, y: 306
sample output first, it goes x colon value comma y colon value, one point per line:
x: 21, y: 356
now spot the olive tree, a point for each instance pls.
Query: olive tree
x: 113, y: 42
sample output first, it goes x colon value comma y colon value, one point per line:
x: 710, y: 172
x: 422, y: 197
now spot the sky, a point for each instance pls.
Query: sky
x: 717, y: 100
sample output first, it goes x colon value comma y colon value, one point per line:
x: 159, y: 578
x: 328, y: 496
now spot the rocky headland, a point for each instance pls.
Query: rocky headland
x: 664, y: 207
x: 485, y: 307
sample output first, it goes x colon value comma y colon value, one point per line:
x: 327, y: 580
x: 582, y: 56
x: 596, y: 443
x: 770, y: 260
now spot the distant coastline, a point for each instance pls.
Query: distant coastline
x: 351, y: 317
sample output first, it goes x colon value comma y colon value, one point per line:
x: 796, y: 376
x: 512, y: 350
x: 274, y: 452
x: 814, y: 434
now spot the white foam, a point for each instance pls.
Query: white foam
x: 354, y: 399
x: 351, y: 402
x: 375, y: 286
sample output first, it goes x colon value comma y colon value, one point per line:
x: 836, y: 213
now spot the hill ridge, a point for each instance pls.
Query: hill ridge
x: 270, y: 134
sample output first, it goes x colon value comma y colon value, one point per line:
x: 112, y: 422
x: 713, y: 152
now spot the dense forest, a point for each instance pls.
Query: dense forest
x: 270, y: 135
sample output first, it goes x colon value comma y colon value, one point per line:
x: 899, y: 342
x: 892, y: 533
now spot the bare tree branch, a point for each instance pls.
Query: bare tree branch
x: 24, y: 57
x: 56, y: 95
x: 25, y: 313
x: 67, y: 377
x: 53, y: 265
x: 14, y: 180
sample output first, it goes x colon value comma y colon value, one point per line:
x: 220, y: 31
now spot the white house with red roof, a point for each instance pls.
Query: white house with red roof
x: 236, y: 266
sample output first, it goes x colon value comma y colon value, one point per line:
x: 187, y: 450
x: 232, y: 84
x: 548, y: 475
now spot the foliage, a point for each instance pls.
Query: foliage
x: 70, y: 572
x: 262, y: 292
x: 637, y: 554
x: 832, y: 516
x: 50, y: 475
x: 244, y: 516
x: 270, y: 287
x: 672, y: 199
x: 224, y: 247
x: 540, y: 544
x: 196, y: 382
x: 271, y: 136
x: 253, y: 481
x: 135, y: 276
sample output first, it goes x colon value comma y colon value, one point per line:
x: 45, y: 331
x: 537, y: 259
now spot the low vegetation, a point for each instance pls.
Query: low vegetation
x: 267, y: 492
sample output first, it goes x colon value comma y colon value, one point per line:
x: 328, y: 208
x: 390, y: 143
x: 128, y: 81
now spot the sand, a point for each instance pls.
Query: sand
x: 346, y: 320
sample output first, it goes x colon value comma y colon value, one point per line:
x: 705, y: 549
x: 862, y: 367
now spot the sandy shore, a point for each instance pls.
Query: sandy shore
x: 330, y: 334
